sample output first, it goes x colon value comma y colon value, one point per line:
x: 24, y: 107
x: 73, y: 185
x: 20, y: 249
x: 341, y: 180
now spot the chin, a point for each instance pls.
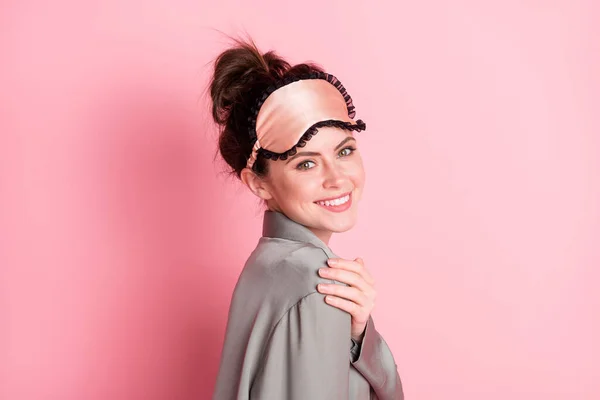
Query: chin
x: 330, y: 221
x: 343, y: 226
x: 341, y: 222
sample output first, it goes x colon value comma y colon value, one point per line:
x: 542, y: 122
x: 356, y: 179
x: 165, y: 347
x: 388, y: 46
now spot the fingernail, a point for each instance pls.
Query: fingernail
x: 331, y: 261
x: 323, y: 271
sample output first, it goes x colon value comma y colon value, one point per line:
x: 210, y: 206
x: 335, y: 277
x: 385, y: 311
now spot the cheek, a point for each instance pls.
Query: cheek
x: 298, y: 188
x: 356, y: 173
x: 284, y: 186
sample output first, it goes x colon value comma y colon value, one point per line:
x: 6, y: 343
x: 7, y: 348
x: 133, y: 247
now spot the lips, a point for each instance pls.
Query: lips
x: 336, y: 204
x: 334, y: 198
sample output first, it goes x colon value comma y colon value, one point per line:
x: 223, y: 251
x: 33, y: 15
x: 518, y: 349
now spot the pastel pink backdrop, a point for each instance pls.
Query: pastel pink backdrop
x: 121, y: 241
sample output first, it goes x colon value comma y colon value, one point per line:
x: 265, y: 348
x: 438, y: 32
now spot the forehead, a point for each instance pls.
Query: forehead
x: 327, y: 137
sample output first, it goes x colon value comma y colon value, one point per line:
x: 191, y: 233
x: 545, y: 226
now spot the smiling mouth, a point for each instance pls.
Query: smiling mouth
x: 335, y: 202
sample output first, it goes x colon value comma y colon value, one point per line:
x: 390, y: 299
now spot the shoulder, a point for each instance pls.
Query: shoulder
x: 306, y: 257
x: 285, y: 271
x: 311, y: 315
x: 278, y: 256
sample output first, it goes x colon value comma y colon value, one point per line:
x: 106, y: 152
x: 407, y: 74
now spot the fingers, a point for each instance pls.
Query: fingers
x: 346, y: 292
x: 357, y: 266
x: 345, y: 276
x: 350, y: 307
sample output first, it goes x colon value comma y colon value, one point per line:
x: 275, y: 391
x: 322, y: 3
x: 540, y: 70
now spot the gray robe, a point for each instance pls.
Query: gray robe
x: 283, y: 342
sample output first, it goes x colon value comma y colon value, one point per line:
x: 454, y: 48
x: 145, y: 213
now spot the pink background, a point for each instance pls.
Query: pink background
x: 121, y: 240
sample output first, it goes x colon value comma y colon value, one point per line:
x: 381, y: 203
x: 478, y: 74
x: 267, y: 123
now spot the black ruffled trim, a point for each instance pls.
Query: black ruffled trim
x: 310, y: 132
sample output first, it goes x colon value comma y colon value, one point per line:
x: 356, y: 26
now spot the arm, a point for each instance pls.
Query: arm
x: 374, y: 360
x: 307, y: 354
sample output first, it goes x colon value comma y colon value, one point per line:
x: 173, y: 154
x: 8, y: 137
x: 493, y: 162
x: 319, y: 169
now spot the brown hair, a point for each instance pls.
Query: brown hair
x: 242, y: 73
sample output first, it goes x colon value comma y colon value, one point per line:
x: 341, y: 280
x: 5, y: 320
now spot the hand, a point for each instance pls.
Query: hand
x: 358, y: 299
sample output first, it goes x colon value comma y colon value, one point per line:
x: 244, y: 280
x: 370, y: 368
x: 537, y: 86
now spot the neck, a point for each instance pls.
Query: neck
x: 322, y: 234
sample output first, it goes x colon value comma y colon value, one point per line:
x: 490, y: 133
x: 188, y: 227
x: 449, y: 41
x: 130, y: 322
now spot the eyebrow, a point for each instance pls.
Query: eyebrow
x: 313, y: 153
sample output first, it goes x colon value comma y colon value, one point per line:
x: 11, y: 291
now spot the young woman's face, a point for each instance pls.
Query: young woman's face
x: 321, y: 185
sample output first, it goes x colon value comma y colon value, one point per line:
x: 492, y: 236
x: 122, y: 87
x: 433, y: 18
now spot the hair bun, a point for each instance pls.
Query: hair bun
x: 242, y: 74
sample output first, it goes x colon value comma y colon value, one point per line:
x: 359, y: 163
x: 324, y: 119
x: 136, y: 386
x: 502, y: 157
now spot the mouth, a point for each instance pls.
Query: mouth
x: 336, y: 204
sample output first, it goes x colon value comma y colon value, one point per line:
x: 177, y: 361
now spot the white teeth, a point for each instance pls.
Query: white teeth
x: 335, y: 202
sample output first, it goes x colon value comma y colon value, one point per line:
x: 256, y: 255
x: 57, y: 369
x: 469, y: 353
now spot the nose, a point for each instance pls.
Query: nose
x: 334, y: 176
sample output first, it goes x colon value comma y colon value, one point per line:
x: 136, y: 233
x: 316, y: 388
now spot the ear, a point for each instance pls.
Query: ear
x: 256, y: 184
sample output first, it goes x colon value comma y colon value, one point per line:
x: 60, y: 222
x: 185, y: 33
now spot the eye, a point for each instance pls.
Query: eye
x: 305, y: 165
x: 346, y: 151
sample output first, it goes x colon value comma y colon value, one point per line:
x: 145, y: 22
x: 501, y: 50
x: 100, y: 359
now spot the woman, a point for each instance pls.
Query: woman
x: 299, y: 323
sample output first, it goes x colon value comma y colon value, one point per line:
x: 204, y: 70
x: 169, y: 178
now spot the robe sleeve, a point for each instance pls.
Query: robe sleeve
x: 374, y: 360
x: 307, y: 354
